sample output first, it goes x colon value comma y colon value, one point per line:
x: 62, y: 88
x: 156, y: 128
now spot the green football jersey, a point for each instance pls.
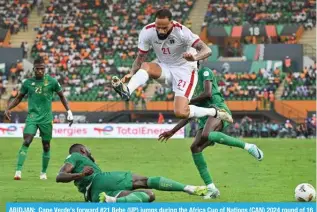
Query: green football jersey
x: 217, y: 98
x: 40, y: 95
x: 79, y: 161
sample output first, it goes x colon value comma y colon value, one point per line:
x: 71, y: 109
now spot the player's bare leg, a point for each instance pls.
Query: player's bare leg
x: 45, y: 159
x: 199, y: 144
x: 183, y: 110
x: 22, y: 155
x: 129, y: 196
x: 165, y: 184
x: 147, y: 71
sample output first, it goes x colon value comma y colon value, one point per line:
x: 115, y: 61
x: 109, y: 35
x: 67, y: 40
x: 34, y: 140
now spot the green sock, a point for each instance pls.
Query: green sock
x: 45, y: 161
x: 21, y: 157
x: 202, y: 167
x: 164, y: 184
x: 135, y: 197
x: 221, y: 138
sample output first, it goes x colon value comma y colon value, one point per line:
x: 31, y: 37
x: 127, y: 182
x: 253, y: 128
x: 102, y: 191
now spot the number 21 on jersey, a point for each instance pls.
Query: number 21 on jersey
x: 166, y: 50
x: 38, y: 90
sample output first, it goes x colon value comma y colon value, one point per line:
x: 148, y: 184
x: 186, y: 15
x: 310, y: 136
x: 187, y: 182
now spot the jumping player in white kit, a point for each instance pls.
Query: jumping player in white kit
x: 176, y: 65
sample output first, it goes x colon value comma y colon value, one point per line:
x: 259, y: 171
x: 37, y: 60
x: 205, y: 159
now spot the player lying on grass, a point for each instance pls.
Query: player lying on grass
x: 99, y: 186
x: 210, y: 129
x: 40, y: 90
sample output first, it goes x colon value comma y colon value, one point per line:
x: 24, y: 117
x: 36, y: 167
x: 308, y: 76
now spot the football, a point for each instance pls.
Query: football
x: 305, y: 192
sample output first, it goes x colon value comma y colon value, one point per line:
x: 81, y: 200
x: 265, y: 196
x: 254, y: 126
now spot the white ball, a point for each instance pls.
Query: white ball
x: 305, y: 192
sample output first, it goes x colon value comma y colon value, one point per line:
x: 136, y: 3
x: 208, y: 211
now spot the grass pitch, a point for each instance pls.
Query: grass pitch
x: 240, y: 178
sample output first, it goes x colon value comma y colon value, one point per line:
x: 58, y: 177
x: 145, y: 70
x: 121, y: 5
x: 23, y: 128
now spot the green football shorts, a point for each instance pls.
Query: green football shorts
x: 113, y: 183
x: 202, y: 121
x: 46, y: 130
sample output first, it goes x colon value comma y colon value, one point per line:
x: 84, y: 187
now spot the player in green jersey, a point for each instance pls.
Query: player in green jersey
x: 99, y: 186
x: 40, y: 90
x: 210, y: 129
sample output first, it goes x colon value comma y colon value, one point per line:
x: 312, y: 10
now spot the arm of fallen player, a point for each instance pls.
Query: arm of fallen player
x: 207, y: 94
x: 203, y: 51
x: 65, y: 175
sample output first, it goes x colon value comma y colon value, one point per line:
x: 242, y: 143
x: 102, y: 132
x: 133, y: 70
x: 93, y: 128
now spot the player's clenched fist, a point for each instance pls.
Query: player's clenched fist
x: 189, y: 56
x: 87, y: 171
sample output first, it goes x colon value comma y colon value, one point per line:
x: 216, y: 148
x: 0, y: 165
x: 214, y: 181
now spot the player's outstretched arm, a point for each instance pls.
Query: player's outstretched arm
x: 13, y: 104
x: 203, y: 51
x: 66, y: 106
x: 141, y: 57
x: 65, y: 175
x: 207, y: 94
x: 168, y: 134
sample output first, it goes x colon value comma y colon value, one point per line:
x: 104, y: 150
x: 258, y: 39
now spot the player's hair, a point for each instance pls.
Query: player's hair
x: 38, y: 61
x: 74, y: 148
x: 164, y: 13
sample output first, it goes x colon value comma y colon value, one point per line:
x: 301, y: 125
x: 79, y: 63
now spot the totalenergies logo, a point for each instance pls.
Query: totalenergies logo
x: 8, y: 130
x: 106, y: 130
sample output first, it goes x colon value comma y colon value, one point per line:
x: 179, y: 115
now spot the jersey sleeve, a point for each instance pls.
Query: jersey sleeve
x: 72, y: 159
x: 144, y: 42
x: 189, y: 37
x: 207, y: 74
x: 24, y: 88
x: 57, y: 87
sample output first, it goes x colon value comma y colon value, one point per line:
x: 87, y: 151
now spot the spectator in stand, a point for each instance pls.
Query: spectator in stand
x: 274, y: 129
x: 160, y: 119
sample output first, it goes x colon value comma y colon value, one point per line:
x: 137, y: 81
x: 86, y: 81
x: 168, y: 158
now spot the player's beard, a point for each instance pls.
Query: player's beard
x: 164, y: 36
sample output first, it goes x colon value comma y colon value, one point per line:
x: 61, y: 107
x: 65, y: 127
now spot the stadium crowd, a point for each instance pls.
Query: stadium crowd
x: 235, y: 12
x: 248, y: 127
x: 3, y: 83
x: 300, y: 85
x: 85, y: 43
x: 14, y: 14
x: 88, y: 42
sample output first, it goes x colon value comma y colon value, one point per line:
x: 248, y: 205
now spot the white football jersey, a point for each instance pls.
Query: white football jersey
x: 169, y: 51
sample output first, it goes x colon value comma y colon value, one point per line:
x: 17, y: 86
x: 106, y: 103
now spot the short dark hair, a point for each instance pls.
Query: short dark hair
x: 164, y: 13
x: 38, y: 61
x: 75, y: 148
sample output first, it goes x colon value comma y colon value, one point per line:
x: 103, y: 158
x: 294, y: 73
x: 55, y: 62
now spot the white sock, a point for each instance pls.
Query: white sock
x: 247, y: 146
x: 189, y: 189
x: 211, y: 185
x: 138, y: 79
x: 198, y: 112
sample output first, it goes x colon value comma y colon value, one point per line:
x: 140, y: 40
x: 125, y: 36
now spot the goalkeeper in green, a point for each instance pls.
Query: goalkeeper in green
x: 99, y: 186
x: 210, y: 128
